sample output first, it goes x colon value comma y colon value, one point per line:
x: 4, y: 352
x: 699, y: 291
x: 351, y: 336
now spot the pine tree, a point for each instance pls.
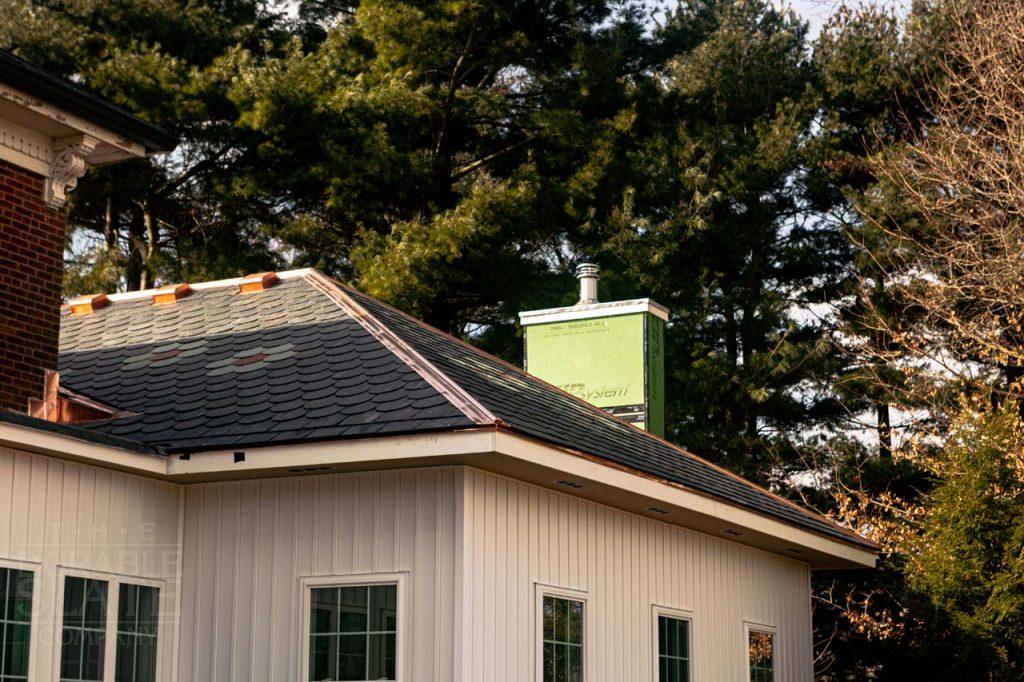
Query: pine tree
x: 180, y: 216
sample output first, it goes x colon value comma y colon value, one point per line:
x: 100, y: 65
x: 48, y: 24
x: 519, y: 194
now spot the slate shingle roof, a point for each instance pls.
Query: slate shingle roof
x: 309, y: 359
x: 219, y: 368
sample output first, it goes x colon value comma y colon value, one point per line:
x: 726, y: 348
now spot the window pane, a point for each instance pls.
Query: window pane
x: 574, y: 629
x: 127, y: 608
x: 561, y: 616
x: 124, y: 667
x: 95, y: 604
x: 352, y: 657
x: 84, y: 628
x: 18, y: 595
x: 93, y: 645
x: 382, y: 657
x: 673, y: 649
x: 149, y: 610
x: 575, y: 664
x: 15, y: 649
x: 74, y: 597
x: 15, y: 614
x: 549, y: 662
x: 353, y: 632
x: 563, y: 639
x: 353, y: 609
x: 323, y: 658
x: 323, y: 615
x: 137, y: 613
x: 761, y: 645
x: 71, y: 654
x: 145, y: 659
x: 383, y: 608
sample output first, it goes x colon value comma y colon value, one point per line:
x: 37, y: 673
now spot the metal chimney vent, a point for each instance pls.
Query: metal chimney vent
x: 588, y: 275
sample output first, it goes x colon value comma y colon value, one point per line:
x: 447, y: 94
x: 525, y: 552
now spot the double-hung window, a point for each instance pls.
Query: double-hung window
x: 562, y: 624
x: 673, y: 646
x: 15, y: 623
x: 108, y: 630
x: 353, y: 632
x: 761, y: 654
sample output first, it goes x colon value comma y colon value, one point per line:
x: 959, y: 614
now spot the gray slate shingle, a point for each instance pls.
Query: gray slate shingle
x: 220, y: 368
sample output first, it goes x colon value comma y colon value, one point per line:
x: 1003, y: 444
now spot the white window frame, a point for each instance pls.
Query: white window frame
x: 542, y: 590
x: 308, y: 583
x: 114, y: 581
x: 36, y: 569
x: 749, y: 625
x: 679, y: 614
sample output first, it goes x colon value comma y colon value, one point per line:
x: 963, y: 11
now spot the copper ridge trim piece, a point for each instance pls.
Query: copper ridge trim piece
x: 441, y: 382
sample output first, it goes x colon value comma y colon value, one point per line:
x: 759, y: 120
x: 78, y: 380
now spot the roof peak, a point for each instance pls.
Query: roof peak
x: 201, y: 286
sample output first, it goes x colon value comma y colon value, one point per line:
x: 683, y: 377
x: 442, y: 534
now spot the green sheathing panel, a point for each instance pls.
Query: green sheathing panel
x: 612, y: 362
x: 655, y: 352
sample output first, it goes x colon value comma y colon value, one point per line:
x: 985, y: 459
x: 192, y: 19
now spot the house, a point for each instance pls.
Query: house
x: 277, y: 477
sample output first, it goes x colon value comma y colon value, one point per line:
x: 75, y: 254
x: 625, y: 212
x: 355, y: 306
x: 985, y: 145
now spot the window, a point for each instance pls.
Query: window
x: 761, y: 648
x: 84, y: 634
x: 353, y: 632
x: 673, y: 649
x: 15, y: 623
x: 562, y: 639
x: 137, y: 611
x: 109, y: 630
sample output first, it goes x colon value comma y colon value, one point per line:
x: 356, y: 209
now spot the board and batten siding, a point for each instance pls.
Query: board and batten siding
x: 519, y: 535
x: 247, y: 545
x: 57, y: 515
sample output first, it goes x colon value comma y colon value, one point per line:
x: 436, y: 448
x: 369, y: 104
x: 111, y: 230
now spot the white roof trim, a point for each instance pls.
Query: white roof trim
x: 200, y: 286
x: 592, y: 310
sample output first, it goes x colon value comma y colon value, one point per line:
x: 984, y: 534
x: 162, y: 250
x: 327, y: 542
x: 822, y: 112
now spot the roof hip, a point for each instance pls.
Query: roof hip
x: 442, y: 383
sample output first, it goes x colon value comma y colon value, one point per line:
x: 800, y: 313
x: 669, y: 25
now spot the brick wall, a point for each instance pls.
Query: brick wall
x: 31, y: 263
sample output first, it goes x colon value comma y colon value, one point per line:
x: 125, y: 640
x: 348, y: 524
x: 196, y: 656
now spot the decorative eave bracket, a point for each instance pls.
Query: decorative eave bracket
x: 68, y: 165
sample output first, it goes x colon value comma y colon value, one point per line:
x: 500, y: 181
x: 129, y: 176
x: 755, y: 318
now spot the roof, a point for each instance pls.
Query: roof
x: 312, y: 360
x: 75, y: 99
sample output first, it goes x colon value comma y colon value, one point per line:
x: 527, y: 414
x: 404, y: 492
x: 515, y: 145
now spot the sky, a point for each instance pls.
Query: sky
x: 816, y: 12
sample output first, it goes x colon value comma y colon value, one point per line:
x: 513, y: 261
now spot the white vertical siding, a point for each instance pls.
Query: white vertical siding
x: 56, y: 514
x: 518, y: 535
x: 248, y: 544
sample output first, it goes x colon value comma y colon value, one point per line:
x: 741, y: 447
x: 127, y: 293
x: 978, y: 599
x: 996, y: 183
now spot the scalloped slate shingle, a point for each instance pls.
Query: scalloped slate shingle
x: 220, y: 368
x: 288, y: 364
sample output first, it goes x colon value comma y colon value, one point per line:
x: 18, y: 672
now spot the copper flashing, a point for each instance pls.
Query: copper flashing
x: 257, y: 282
x: 171, y: 293
x: 83, y: 305
x: 441, y: 382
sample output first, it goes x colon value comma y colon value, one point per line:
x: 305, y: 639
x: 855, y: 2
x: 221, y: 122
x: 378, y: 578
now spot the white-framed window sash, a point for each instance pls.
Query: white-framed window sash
x: 399, y: 579
x: 35, y: 568
x: 114, y: 582
x: 686, y: 615
x: 543, y: 590
x: 750, y: 626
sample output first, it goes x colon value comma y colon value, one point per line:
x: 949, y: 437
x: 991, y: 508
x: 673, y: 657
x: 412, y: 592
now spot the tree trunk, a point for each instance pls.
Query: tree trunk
x: 884, y: 431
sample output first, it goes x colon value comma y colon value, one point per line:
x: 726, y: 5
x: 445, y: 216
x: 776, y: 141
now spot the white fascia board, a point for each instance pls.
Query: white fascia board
x: 60, y: 445
x: 592, y: 310
x: 365, y: 453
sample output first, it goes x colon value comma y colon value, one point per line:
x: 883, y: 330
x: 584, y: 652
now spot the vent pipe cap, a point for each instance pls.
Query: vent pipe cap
x: 588, y: 274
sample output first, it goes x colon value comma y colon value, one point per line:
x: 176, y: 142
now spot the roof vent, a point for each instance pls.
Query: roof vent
x: 587, y: 274
x: 171, y: 293
x: 257, y: 282
x: 83, y: 305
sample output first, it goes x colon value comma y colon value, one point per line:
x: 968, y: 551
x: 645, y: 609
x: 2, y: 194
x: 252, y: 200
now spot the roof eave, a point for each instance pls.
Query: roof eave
x: 37, y: 82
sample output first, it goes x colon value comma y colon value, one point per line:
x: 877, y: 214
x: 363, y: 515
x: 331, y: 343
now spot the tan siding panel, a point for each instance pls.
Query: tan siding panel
x: 247, y: 546
x: 56, y: 514
x: 518, y: 535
